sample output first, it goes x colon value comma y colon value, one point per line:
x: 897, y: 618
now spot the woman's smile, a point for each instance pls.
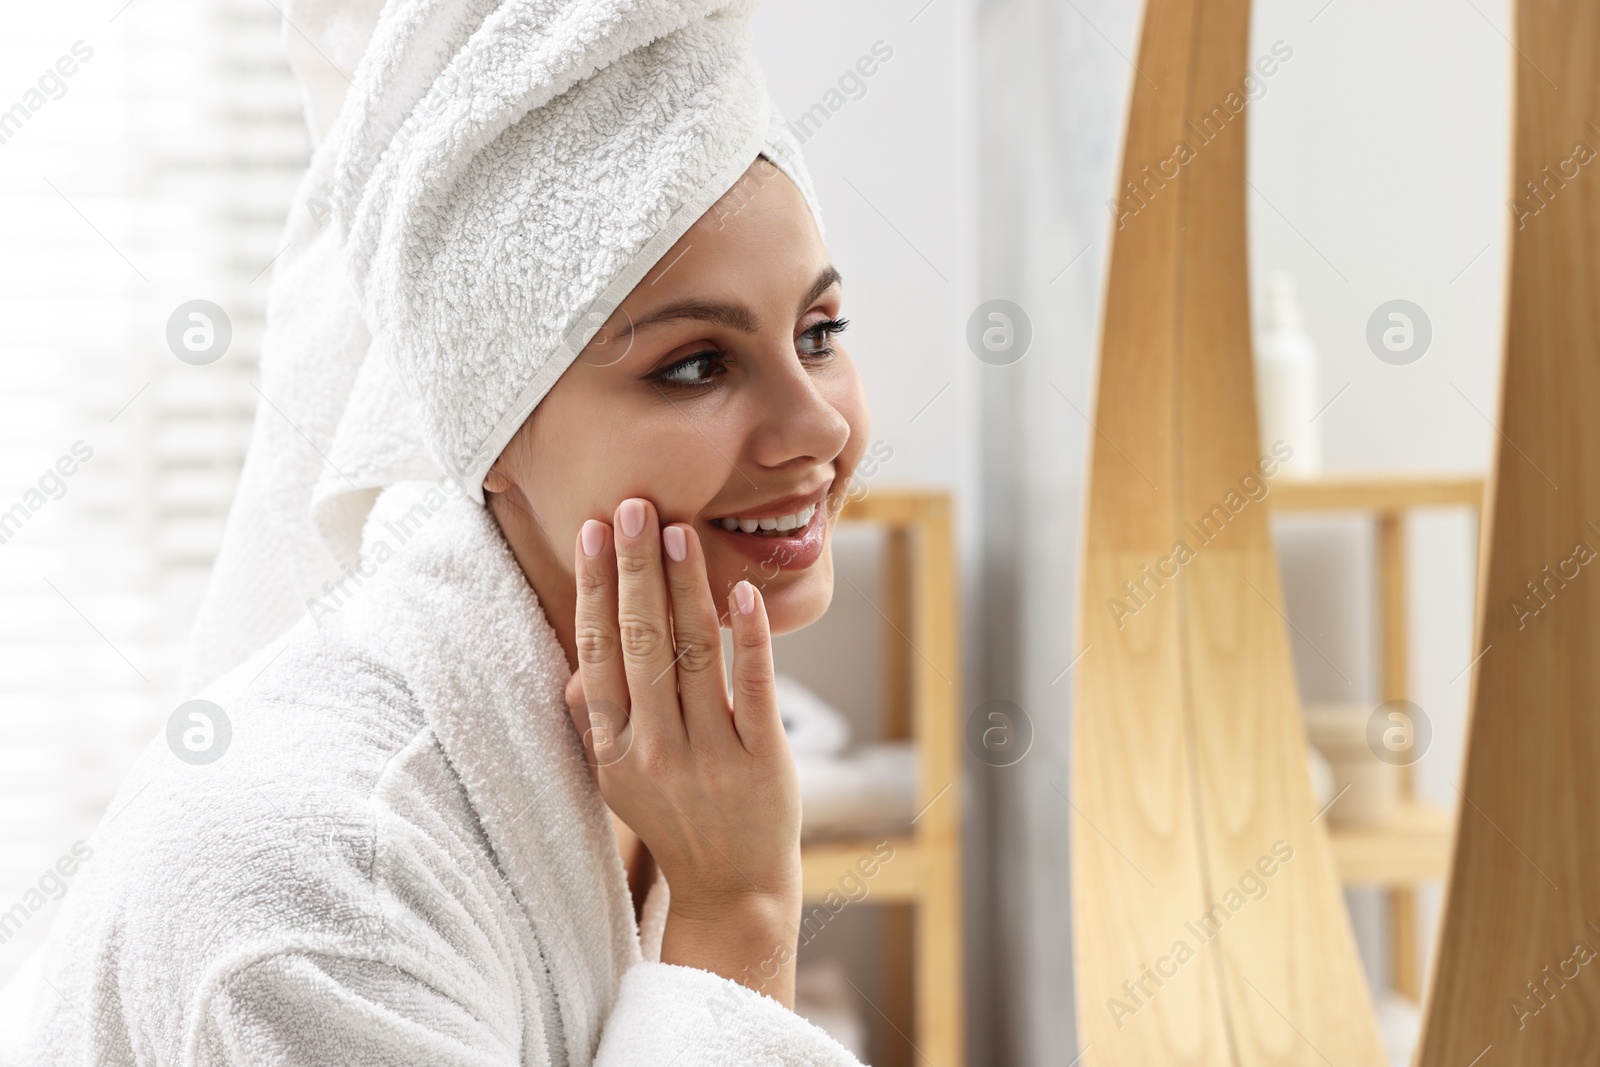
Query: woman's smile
x: 787, y: 533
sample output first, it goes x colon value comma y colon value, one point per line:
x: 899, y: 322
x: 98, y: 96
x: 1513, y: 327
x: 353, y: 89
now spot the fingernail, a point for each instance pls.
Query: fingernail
x: 593, y: 537
x: 677, y: 545
x: 745, y: 594
x: 632, y: 516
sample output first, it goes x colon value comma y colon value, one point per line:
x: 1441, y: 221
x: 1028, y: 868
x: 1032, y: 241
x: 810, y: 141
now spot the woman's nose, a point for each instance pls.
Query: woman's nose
x: 799, y: 416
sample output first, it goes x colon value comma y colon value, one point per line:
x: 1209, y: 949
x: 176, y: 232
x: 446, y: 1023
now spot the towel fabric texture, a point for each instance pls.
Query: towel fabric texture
x: 399, y: 858
x: 489, y: 184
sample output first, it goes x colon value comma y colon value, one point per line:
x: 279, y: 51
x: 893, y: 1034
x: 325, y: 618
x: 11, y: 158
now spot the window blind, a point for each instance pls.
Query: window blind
x: 148, y: 153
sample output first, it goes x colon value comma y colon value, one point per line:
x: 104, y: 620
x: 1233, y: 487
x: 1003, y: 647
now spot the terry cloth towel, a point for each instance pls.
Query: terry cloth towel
x: 398, y: 858
x: 869, y: 790
x: 812, y: 726
x: 495, y: 179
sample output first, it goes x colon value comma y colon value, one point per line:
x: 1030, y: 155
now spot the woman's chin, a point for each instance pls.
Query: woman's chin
x: 796, y: 599
x: 802, y: 603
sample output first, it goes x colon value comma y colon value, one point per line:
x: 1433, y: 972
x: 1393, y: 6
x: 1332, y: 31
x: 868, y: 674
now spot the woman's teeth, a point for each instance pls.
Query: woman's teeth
x: 777, y: 525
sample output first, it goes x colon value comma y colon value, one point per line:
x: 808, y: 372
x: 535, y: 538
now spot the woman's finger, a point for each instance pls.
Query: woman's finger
x: 605, y: 684
x: 755, y: 701
x: 644, y: 627
x: 697, y: 634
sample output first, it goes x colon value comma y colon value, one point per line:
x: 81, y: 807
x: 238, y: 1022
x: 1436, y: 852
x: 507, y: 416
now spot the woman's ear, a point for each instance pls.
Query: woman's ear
x: 500, y: 476
x: 495, y: 482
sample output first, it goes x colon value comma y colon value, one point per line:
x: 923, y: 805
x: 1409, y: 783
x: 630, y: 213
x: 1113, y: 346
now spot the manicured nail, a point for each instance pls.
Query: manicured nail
x: 594, y: 535
x: 677, y: 545
x: 632, y: 516
x: 745, y: 594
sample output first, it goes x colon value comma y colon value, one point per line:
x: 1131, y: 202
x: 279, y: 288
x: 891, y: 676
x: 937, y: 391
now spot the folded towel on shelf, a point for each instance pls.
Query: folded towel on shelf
x: 1321, y: 776
x: 872, y: 789
x: 867, y: 789
x: 814, y: 727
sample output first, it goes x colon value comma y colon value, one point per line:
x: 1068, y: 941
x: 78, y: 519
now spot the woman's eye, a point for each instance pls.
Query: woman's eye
x: 688, y: 371
x: 814, y: 342
x: 703, y: 368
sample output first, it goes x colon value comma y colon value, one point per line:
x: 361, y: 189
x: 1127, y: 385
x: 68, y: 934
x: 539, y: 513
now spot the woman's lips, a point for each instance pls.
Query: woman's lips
x: 771, y: 553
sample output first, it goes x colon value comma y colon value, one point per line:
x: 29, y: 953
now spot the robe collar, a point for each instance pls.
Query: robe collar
x: 490, y: 675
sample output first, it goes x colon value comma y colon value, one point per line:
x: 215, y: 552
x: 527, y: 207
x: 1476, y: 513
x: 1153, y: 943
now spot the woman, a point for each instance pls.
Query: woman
x: 380, y: 839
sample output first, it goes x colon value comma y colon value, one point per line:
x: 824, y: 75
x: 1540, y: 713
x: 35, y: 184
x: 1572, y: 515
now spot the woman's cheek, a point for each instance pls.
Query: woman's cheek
x: 846, y: 483
x: 852, y: 404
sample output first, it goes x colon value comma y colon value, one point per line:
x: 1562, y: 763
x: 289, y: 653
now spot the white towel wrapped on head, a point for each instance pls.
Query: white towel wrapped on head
x: 499, y: 175
x: 503, y: 186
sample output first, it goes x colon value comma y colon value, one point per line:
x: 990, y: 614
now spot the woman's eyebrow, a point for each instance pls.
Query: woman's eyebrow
x: 733, y: 316
x: 828, y: 278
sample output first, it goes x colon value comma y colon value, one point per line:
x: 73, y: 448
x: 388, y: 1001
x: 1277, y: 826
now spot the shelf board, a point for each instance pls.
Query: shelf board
x: 1412, y: 846
x: 1375, y: 492
x: 843, y: 867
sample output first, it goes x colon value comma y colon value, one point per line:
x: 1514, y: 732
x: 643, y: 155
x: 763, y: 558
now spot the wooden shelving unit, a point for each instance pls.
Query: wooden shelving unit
x: 1414, y: 845
x: 920, y: 888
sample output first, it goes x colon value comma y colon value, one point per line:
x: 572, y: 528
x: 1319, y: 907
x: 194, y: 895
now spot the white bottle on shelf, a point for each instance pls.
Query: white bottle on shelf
x: 1287, y: 381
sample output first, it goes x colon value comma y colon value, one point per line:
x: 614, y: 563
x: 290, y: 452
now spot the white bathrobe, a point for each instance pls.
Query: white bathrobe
x: 399, y: 858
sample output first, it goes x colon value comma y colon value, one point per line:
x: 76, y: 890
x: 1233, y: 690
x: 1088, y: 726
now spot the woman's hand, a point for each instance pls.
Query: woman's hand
x: 706, y: 782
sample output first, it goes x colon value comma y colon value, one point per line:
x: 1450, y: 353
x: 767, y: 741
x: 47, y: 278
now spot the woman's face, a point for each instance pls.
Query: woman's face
x: 719, y: 389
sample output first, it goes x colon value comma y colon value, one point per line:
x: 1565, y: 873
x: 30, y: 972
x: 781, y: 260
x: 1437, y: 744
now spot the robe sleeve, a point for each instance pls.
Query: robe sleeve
x: 310, y: 1009
x: 336, y: 1005
x: 666, y: 1013
x: 314, y: 1010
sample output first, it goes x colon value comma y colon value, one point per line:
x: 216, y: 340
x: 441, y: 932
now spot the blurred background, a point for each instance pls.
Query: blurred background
x: 974, y: 163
